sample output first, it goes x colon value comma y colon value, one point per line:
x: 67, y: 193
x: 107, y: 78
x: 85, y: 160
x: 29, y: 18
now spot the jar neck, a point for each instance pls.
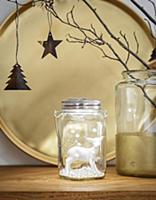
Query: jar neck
x: 140, y: 75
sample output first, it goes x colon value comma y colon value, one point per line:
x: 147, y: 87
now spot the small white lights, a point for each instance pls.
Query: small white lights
x: 94, y: 130
x: 77, y: 135
x: 72, y: 131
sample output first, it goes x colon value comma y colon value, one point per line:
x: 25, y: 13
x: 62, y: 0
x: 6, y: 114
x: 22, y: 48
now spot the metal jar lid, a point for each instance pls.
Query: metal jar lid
x: 81, y: 103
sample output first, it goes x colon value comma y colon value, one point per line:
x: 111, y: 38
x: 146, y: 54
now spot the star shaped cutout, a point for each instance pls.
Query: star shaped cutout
x: 50, y: 46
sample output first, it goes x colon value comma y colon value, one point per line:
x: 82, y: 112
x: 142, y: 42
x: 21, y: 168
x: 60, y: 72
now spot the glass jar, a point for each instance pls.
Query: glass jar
x: 81, y: 135
x: 136, y: 124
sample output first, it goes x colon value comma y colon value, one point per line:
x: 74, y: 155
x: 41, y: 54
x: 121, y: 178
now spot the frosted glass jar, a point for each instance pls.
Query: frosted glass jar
x: 136, y: 124
x: 81, y: 132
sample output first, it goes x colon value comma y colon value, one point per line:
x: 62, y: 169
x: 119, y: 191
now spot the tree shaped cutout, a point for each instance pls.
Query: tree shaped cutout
x: 16, y: 79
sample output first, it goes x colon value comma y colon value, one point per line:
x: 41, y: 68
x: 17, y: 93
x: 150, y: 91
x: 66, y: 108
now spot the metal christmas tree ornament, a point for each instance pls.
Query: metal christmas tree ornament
x: 16, y: 79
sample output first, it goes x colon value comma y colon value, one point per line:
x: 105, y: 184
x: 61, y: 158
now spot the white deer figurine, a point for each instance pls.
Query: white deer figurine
x: 84, y: 154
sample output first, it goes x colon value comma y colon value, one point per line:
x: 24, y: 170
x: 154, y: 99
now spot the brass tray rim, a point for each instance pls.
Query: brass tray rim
x: 10, y: 135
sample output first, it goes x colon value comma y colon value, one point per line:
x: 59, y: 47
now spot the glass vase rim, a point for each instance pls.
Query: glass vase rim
x: 130, y: 73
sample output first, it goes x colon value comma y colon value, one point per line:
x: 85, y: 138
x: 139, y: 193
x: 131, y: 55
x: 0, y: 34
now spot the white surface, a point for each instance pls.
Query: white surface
x: 9, y: 154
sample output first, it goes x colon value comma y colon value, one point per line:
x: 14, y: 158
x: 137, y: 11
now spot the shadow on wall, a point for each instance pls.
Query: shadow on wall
x: 11, y: 155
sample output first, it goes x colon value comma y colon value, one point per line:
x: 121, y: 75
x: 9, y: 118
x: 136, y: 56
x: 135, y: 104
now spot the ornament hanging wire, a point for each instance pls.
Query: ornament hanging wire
x: 17, y: 78
x: 49, y: 17
x: 17, y: 30
x: 50, y: 44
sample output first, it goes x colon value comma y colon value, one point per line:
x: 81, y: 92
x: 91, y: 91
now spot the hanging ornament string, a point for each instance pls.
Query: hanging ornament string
x: 17, y: 78
x: 49, y: 16
x: 17, y: 30
x: 50, y: 44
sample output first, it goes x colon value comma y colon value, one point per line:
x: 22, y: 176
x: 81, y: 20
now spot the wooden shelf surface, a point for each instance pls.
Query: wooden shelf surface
x: 43, y: 183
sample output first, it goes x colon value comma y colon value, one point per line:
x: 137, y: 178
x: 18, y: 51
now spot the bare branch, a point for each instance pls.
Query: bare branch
x: 117, y: 56
x: 85, y: 41
x: 70, y: 21
x: 52, y: 10
x: 143, y: 89
x: 127, y: 43
x: 106, y: 28
x: 144, y: 11
x: 92, y: 42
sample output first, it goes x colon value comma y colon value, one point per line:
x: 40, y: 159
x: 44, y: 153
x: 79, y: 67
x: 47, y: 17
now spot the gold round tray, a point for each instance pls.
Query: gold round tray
x: 26, y: 117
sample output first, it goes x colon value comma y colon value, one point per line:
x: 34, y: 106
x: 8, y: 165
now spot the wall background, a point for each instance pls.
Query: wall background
x: 9, y: 153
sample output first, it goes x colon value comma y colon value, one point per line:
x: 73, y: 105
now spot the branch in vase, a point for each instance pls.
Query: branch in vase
x: 90, y: 36
x: 50, y: 7
x: 143, y: 89
x: 98, y: 41
x: 116, y: 58
x: 123, y: 35
x: 112, y: 35
x: 93, y: 32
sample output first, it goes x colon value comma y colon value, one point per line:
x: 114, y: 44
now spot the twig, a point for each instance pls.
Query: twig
x: 117, y: 56
x: 91, y: 42
x: 127, y: 43
x: 146, y: 95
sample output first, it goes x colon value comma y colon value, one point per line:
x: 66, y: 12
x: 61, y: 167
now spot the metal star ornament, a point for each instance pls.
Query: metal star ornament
x: 50, y: 46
